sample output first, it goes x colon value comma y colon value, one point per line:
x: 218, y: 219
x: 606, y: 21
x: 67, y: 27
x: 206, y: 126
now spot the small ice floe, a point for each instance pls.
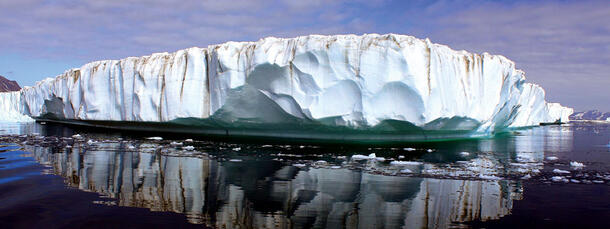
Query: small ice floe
x: 526, y: 177
x: 237, y: 149
x: 299, y: 165
x: 552, y: 158
x: 341, y: 157
x: 464, y: 154
x: 176, y: 143
x: 321, y: 162
x: 559, y: 179
x: 155, y: 138
x: 401, y: 157
x: 91, y: 142
x: 406, y: 171
x: 266, y: 146
x: 359, y: 157
x: 188, y: 140
x: 189, y: 148
x: 369, y: 157
x: 409, y: 149
x: 405, y: 163
x: 77, y: 136
x: 560, y: 171
x: 598, y: 181
x: 335, y: 167
x: 235, y: 160
x: 575, y: 181
x: 429, y: 150
x: 131, y: 147
x: 576, y: 164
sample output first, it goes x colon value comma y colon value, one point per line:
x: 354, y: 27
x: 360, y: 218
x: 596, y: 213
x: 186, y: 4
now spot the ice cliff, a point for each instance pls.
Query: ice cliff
x: 342, y: 80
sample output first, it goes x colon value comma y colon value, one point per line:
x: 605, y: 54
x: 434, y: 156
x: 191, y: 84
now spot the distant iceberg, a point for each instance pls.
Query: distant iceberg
x: 382, y: 83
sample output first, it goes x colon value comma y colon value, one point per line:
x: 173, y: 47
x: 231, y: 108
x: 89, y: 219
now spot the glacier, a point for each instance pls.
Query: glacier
x: 389, y: 83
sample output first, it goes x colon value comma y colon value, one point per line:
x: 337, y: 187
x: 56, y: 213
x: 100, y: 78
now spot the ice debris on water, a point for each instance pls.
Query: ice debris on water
x: 406, y: 171
x: 189, y: 148
x: 559, y: 179
x: 155, y: 138
x: 552, y: 158
x: 560, y: 171
x: 235, y: 160
x: 409, y: 149
x: 576, y: 164
x: 464, y: 153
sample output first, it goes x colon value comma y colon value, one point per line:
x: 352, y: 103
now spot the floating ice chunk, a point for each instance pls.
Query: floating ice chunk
x: 552, y: 158
x: 576, y: 164
x: 176, y: 143
x: 464, y: 154
x: 359, y: 157
x: 598, y: 181
x: 575, y: 181
x: 91, y: 142
x: 188, y: 140
x: 409, y: 149
x: 77, y: 136
x: 406, y: 171
x: 526, y: 177
x: 405, y: 163
x: 401, y: 157
x: 372, y: 155
x: 235, y: 160
x: 559, y: 179
x: 131, y: 147
x: 189, y: 148
x: 560, y: 171
x: 321, y: 162
x: 429, y: 150
x: 237, y: 149
x: 335, y: 167
x: 155, y: 138
x: 299, y: 165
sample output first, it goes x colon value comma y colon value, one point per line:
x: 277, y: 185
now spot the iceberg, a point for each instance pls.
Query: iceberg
x: 391, y: 84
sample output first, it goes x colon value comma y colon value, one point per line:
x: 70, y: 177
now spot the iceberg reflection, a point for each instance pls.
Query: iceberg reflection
x: 267, y: 193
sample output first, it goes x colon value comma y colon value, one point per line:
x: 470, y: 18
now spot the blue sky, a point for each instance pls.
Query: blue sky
x: 562, y: 45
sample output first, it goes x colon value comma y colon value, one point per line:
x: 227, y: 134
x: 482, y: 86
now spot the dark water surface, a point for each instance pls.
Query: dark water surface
x: 530, y: 178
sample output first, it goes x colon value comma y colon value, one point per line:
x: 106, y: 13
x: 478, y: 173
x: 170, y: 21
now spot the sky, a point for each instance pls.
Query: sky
x: 564, y: 46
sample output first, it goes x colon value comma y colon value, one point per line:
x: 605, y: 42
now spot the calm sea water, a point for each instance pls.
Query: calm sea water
x: 50, y: 178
